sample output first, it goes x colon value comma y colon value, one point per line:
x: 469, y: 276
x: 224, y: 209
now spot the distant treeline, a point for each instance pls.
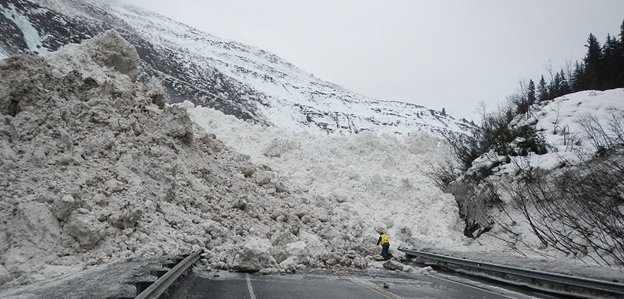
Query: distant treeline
x: 601, y: 69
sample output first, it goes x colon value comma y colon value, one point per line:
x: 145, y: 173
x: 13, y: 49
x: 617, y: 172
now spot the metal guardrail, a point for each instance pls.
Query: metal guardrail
x: 160, y: 286
x: 585, y: 283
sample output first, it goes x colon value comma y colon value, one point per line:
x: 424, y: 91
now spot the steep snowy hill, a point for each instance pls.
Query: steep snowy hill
x: 565, y: 198
x: 239, y: 80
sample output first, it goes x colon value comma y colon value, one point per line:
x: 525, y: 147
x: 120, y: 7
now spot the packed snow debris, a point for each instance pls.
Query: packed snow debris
x: 381, y: 177
x: 92, y: 171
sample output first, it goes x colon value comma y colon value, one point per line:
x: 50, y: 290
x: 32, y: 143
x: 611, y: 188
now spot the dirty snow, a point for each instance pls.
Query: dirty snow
x: 113, y: 280
x: 95, y: 169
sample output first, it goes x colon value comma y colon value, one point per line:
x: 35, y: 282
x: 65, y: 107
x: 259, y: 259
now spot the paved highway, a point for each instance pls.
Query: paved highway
x: 363, y: 285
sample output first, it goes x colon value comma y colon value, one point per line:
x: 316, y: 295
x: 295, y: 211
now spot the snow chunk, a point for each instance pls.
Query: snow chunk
x: 86, y: 229
x: 254, y: 256
x: 393, y: 265
x: 37, y: 224
x: 279, y: 146
x: 63, y: 206
x: 187, y: 104
x: 4, y: 275
x: 180, y: 124
x: 101, y: 57
x: 128, y: 218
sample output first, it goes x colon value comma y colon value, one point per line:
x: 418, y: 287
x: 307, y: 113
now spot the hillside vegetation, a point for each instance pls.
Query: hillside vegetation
x: 549, y: 162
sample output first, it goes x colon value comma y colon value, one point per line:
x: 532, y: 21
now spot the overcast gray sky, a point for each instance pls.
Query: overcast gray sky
x: 449, y: 54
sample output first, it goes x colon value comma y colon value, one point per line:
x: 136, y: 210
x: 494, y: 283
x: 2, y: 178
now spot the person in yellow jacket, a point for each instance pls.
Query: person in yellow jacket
x: 384, y: 241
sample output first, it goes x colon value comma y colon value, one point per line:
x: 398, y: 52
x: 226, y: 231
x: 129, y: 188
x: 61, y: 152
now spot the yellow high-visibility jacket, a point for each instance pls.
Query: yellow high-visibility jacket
x: 383, y: 239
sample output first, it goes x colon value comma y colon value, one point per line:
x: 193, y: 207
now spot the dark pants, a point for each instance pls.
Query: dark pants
x: 384, y: 252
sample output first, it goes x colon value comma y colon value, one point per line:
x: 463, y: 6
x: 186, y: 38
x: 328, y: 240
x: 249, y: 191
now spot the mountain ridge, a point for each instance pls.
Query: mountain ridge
x: 247, y: 82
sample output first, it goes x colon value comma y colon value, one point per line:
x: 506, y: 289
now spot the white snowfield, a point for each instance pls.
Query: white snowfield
x: 94, y: 171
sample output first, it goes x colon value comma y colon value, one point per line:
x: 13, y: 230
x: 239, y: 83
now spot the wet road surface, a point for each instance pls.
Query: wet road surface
x: 364, y: 285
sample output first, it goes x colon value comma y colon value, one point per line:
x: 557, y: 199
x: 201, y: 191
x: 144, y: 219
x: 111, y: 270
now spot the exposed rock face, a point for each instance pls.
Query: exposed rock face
x: 474, y: 202
x: 94, y: 171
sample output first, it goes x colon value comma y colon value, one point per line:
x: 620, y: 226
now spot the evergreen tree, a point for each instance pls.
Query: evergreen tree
x: 619, y: 54
x: 564, y: 86
x: 531, y: 99
x: 578, y: 80
x: 593, y: 63
x: 554, y: 88
x: 610, y: 62
x: 542, y: 90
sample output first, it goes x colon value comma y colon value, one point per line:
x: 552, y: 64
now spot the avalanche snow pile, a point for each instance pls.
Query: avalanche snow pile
x: 383, y: 177
x: 94, y: 168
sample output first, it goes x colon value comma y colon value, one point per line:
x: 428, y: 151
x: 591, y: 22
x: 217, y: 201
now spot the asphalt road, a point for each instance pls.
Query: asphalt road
x: 362, y: 285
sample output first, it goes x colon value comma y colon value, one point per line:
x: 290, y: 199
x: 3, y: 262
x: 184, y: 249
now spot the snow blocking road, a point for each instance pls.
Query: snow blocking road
x: 537, y: 279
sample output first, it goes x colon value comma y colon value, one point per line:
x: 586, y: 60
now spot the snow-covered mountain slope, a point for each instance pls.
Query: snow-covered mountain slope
x: 579, y: 169
x: 561, y: 122
x: 239, y: 80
